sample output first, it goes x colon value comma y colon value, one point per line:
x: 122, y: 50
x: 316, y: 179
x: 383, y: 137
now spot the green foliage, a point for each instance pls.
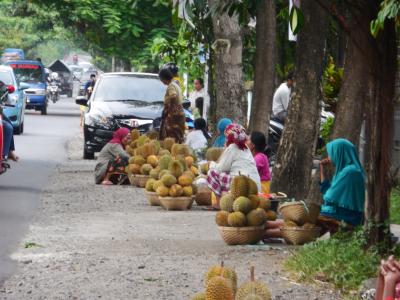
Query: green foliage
x: 331, y: 82
x: 395, y: 206
x: 341, y: 261
x: 326, y: 129
x: 390, y: 10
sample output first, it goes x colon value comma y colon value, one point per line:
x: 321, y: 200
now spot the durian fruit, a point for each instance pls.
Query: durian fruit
x: 135, y: 134
x: 153, y: 135
x: 162, y: 191
x: 164, y: 152
x: 150, y: 184
x: 289, y: 223
x: 139, y: 160
x: 129, y: 150
x: 218, y: 288
x: 271, y: 215
x: 253, y: 289
x: 199, y: 296
x: 157, y: 184
x: 131, y: 160
x: 175, y: 168
x: 156, y: 145
x: 226, y: 202
x: 225, y: 272
x: 240, y: 186
x: 168, y: 143
x: 148, y: 149
x: 168, y: 180
x: 145, y: 169
x: 152, y: 160
x: 162, y: 173
x: 155, y: 173
x: 213, y: 154
x: 253, y: 189
x: 188, y: 191
x: 142, y: 140
x: 237, y: 219
x: 255, y: 201
x: 134, y: 169
x: 221, y: 218
x: 189, y: 161
x: 180, y: 149
x: 265, y: 203
x: 185, y: 180
x: 242, y: 204
x: 188, y: 173
x: 204, y: 168
x: 194, y: 170
x: 256, y: 217
x: 164, y: 162
x: 182, y: 161
x: 175, y: 190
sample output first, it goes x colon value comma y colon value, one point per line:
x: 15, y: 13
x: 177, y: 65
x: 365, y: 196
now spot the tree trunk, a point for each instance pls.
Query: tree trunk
x: 292, y: 171
x: 379, y: 125
x: 264, y: 79
x: 126, y: 63
x: 228, y: 48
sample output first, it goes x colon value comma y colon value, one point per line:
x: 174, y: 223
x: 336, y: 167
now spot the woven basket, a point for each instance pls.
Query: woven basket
x: 176, y: 203
x: 300, y: 236
x: 241, y: 235
x: 293, y: 211
x: 203, y: 198
x: 153, y: 198
x: 133, y: 179
x: 313, y: 213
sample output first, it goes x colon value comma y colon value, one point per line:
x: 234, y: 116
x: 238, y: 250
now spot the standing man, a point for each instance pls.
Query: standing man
x: 90, y: 85
x: 281, y: 99
x: 199, y: 99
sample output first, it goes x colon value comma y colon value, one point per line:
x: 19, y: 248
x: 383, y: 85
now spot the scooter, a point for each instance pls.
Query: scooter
x: 53, y: 91
x: 4, y: 91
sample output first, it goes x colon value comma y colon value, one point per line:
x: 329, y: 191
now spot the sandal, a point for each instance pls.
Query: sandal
x: 107, y: 182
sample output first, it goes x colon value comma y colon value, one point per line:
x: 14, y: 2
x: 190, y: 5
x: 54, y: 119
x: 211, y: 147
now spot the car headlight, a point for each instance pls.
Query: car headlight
x: 100, y: 120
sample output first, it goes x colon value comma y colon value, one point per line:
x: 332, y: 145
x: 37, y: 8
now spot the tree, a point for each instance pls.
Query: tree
x: 292, y: 171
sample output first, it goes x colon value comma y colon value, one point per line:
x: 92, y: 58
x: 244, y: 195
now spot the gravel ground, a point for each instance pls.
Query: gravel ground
x: 95, y: 242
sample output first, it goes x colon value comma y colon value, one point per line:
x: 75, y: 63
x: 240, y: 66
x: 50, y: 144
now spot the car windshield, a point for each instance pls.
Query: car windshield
x: 6, y: 77
x: 130, y: 88
x: 28, y: 73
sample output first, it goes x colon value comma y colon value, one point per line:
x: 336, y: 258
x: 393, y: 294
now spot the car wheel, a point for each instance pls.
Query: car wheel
x: 20, y: 129
x: 87, y: 154
x: 43, y: 110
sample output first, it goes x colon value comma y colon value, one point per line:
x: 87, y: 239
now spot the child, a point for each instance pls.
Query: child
x: 257, y: 144
x: 197, y: 139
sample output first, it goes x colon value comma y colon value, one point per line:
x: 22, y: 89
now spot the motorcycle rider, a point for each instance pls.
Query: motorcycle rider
x: 281, y: 99
x: 90, y: 85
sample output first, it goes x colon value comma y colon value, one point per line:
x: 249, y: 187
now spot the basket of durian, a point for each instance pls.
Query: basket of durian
x: 243, y: 213
x: 299, y: 235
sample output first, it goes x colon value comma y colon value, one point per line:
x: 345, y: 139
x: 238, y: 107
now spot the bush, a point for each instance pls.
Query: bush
x: 395, y: 206
x: 341, y: 261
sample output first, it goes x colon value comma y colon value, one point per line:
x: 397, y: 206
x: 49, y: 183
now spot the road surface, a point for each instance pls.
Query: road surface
x: 41, y: 147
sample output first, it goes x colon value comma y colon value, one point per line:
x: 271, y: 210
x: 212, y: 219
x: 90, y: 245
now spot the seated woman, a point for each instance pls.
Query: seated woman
x: 197, y: 138
x: 236, y: 159
x: 8, y: 140
x: 112, y: 157
x: 220, y: 139
x: 343, y: 196
x: 257, y: 144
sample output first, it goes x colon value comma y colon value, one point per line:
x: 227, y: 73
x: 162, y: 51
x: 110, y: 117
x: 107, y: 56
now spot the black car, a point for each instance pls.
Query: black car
x: 131, y: 100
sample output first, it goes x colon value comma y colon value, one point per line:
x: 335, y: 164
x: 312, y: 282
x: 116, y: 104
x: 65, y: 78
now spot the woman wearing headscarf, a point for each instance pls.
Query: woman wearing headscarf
x: 344, y: 195
x: 173, y: 117
x: 236, y: 159
x: 220, y: 140
x: 112, y: 157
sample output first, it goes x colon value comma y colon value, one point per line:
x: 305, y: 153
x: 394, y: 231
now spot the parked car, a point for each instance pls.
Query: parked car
x: 131, y: 100
x: 15, y: 113
x: 32, y: 73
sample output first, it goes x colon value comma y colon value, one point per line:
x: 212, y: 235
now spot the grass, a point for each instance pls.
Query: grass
x: 340, y: 261
x: 395, y: 206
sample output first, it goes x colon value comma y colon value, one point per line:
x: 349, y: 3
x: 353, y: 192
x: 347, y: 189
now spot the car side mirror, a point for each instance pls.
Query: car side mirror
x: 23, y: 86
x: 81, y: 100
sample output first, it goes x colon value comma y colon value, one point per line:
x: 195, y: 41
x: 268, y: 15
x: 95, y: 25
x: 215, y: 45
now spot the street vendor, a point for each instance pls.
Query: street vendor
x: 344, y: 195
x: 236, y: 159
x: 112, y: 158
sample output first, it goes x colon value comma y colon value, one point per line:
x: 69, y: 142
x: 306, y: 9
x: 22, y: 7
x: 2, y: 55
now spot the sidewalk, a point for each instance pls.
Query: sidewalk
x: 96, y: 242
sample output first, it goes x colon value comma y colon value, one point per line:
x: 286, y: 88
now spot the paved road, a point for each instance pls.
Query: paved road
x: 41, y: 148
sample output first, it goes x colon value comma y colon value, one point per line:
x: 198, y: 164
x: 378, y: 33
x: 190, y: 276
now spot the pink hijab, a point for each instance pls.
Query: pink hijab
x: 118, y: 135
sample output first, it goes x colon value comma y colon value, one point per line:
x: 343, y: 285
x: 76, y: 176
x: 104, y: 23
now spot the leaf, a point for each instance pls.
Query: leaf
x: 296, y: 20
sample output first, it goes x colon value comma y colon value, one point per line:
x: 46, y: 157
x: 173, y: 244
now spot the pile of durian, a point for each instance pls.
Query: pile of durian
x: 295, y: 224
x: 242, y: 206
x: 212, y: 154
x: 221, y: 284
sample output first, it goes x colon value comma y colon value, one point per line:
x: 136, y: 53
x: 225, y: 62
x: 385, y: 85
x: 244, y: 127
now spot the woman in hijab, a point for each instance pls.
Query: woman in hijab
x: 236, y: 159
x: 220, y: 140
x: 173, y: 117
x: 344, y: 196
x: 112, y: 157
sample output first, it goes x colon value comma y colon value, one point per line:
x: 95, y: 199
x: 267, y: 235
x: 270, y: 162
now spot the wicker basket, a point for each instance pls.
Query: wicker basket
x: 293, y: 211
x: 313, y: 213
x: 203, y: 197
x: 242, y: 235
x: 176, y: 203
x: 300, y: 236
x: 153, y: 198
x: 133, y: 179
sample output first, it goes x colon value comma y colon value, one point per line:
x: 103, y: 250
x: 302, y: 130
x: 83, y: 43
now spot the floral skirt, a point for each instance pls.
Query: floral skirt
x: 219, y: 182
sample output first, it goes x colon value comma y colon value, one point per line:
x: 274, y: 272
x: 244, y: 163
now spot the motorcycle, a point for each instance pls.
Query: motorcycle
x: 4, y: 91
x: 53, y: 91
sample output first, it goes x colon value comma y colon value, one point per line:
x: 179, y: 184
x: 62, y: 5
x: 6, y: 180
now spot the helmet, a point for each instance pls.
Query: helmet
x: 172, y: 67
x: 54, y: 75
